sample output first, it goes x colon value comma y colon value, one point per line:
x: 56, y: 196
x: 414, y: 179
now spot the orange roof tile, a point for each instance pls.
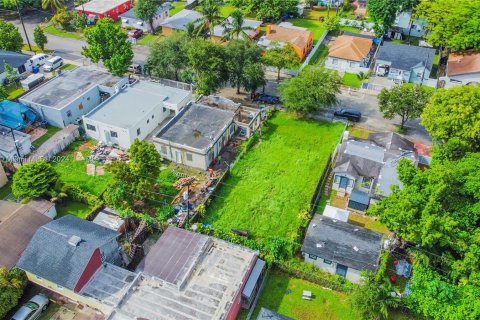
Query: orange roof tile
x: 350, y: 48
x: 294, y: 36
x: 463, y: 63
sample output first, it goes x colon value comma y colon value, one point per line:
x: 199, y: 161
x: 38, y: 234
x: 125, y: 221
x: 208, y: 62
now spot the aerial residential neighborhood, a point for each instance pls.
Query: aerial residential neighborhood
x: 240, y: 159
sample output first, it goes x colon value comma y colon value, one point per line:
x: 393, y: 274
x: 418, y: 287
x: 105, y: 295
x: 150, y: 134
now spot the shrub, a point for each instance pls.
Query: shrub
x: 77, y: 194
x: 34, y: 179
x: 12, y: 283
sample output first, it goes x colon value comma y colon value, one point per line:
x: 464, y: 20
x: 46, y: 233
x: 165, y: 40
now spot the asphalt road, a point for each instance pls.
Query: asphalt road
x: 67, y: 48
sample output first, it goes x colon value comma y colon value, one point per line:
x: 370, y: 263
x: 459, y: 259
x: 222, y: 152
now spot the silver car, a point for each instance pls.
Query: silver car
x: 32, y: 309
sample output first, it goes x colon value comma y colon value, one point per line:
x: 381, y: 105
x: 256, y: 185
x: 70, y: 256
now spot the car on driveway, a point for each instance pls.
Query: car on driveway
x: 32, y: 309
x: 135, y: 33
x: 348, y: 113
x: 265, y: 98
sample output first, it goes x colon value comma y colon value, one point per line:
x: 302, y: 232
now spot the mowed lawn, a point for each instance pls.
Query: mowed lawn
x: 283, y: 294
x: 276, y: 179
x: 316, y: 26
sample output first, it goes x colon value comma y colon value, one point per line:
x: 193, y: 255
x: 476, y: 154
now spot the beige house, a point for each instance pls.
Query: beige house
x: 196, y: 135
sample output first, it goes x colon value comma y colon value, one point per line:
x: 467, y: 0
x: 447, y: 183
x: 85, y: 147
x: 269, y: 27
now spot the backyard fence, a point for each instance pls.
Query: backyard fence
x: 172, y: 83
x: 313, y: 51
x: 57, y: 143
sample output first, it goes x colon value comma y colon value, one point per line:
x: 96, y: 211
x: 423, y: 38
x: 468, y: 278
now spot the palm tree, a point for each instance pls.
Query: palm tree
x: 211, y: 16
x: 53, y: 4
x: 234, y: 27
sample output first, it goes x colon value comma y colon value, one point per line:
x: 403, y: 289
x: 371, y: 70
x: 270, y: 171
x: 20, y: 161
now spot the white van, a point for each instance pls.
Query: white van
x: 52, y: 64
x: 38, y: 60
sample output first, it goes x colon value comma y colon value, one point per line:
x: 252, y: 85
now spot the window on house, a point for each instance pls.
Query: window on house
x: 189, y: 157
x: 334, y: 61
x: 91, y: 127
x: 366, y: 182
x: 327, y: 261
x: 337, y: 179
x: 164, y: 109
x: 419, y: 74
x: 163, y: 149
x: 69, y: 113
x: 113, y: 134
x: 138, y: 131
x: 311, y: 256
x: 353, y: 64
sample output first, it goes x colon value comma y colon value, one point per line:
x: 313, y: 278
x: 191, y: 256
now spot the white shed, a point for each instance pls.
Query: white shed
x: 336, y: 213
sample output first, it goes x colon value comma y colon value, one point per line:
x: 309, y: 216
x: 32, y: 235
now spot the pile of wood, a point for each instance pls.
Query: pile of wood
x: 183, y: 182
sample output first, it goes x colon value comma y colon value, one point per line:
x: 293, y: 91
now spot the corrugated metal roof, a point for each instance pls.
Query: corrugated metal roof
x: 253, y: 278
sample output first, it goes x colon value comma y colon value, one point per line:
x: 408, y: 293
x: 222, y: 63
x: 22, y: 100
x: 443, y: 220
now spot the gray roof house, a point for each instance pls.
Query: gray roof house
x: 402, y: 63
x: 179, y: 21
x: 341, y: 248
x: 71, y: 94
x: 367, y: 168
x: 67, y: 252
x: 129, y: 20
x: 196, y: 135
x: 16, y: 60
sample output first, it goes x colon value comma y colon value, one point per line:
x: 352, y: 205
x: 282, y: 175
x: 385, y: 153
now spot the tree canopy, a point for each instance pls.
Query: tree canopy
x: 10, y: 38
x: 383, y: 13
x: 452, y: 23
x: 168, y: 57
x: 34, y: 179
x: 39, y: 37
x: 313, y: 89
x: 406, y: 101
x: 268, y: 9
x: 145, y: 10
x: 454, y: 113
x: 240, y: 55
x: 281, y: 58
x: 235, y: 27
x: 108, y: 43
x: 12, y: 283
x: 211, y: 17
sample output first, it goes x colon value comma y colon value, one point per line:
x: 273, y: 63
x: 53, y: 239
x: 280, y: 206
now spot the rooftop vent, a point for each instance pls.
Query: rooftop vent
x: 321, y: 244
x: 356, y: 229
x: 314, y: 225
x: 355, y: 248
x: 74, y: 241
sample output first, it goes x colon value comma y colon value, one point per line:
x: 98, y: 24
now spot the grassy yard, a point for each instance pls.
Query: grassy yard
x: 166, y: 179
x: 68, y: 66
x: 351, y: 80
x: 77, y: 209
x: 51, y: 130
x: 319, y: 55
x: 326, y: 304
x: 275, y: 180
x: 74, y: 172
x: 177, y: 7
x: 367, y: 222
x: 146, y: 39
x: 35, y: 48
x: 358, y: 132
x: 14, y: 91
x: 434, y: 72
x: 315, y: 26
x: 52, y: 30
x: 350, y: 29
x: 414, y: 41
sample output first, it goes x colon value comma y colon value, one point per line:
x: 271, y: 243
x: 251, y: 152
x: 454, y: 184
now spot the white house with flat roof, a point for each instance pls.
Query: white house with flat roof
x: 134, y: 112
x: 196, y: 135
x: 72, y: 94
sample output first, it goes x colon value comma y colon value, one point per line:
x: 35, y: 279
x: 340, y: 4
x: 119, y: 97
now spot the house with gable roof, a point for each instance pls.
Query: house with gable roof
x: 351, y: 53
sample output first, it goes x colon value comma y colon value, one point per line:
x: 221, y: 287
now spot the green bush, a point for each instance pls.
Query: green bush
x: 77, y: 194
x: 12, y: 284
x: 34, y: 180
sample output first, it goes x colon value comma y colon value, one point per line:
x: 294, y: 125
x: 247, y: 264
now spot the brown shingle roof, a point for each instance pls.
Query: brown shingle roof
x: 18, y: 224
x: 463, y: 63
x: 350, y: 48
x: 294, y: 36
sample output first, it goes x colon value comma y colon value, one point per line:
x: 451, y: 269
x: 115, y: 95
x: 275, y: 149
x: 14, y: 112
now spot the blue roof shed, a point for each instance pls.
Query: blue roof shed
x: 16, y: 115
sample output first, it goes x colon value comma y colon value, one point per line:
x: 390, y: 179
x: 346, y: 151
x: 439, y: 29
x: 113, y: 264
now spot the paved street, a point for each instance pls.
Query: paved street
x: 67, y: 48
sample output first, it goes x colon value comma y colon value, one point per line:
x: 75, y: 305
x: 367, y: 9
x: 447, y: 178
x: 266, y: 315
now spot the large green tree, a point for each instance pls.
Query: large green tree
x: 211, y: 16
x: 34, y: 179
x: 268, y: 9
x: 208, y: 61
x: 3, y: 93
x: 281, y: 57
x: 108, y: 43
x: 145, y: 10
x: 10, y: 38
x: 406, y: 101
x: 12, y: 284
x: 313, y: 89
x: 453, y: 24
x: 39, y: 37
x: 454, y: 113
x: 253, y: 77
x: 383, y: 13
x: 168, y: 57
x: 54, y: 5
x: 239, y: 55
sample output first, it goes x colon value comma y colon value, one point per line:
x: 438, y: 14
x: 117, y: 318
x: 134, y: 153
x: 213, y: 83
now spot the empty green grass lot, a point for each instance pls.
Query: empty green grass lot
x: 275, y: 180
x: 326, y: 304
x: 351, y: 80
x: 316, y: 26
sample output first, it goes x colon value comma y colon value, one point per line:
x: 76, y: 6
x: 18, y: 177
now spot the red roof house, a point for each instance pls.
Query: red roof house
x: 105, y: 8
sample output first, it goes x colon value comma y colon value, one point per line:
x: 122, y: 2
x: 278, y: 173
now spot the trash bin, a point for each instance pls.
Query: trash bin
x: 35, y: 69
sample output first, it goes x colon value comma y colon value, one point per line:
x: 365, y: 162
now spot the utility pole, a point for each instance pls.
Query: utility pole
x: 186, y: 197
x: 23, y: 25
x: 16, y: 146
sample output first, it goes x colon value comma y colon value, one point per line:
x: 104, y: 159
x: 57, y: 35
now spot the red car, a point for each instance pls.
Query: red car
x: 135, y: 33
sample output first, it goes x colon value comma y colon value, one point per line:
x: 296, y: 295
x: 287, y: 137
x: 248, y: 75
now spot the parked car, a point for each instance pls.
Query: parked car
x: 135, y: 33
x: 53, y: 64
x: 37, y: 60
x: 265, y: 98
x: 135, y: 68
x: 32, y: 309
x: 348, y: 113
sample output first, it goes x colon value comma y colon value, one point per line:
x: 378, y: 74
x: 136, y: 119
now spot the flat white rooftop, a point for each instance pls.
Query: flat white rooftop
x: 101, y: 6
x: 129, y: 106
x: 215, y: 271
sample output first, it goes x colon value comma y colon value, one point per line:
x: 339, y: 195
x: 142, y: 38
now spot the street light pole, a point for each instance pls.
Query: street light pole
x: 23, y: 25
x: 16, y: 147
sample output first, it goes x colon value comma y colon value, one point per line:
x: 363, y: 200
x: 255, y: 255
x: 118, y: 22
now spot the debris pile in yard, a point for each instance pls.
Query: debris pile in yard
x: 183, y: 182
x: 106, y: 154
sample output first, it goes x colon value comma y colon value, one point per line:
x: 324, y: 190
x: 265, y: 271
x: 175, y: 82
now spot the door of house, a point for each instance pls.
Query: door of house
x: 178, y: 157
x: 343, y: 182
x: 341, y: 270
